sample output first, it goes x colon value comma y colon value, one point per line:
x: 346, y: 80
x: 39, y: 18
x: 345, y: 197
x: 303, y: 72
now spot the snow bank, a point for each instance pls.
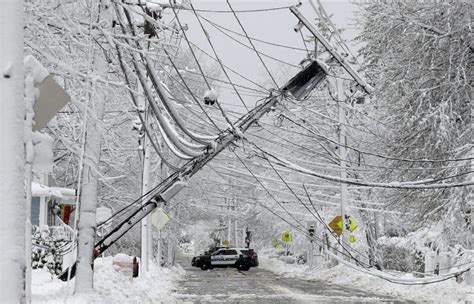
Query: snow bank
x: 444, y: 292
x: 110, y: 286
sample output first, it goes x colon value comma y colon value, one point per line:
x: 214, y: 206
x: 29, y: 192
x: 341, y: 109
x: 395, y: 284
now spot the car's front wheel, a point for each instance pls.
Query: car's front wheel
x: 205, y: 266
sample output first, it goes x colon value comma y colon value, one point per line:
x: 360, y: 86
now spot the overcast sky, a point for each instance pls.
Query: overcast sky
x: 273, y: 26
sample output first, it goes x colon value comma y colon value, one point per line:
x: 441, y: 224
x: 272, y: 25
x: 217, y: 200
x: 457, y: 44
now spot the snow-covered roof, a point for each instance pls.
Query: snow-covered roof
x: 65, y: 194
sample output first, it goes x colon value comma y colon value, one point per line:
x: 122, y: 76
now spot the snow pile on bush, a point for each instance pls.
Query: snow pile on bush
x: 46, y: 251
x: 110, y: 286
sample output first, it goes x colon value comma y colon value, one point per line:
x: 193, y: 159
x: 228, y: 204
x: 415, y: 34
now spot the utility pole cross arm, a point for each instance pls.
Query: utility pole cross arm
x: 357, y: 77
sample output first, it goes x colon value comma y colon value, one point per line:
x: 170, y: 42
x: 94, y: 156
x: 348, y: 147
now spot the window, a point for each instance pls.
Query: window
x: 35, y: 210
x: 231, y: 252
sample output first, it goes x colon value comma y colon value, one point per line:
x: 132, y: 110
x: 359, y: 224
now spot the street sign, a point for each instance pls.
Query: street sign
x: 336, y: 224
x: 52, y: 97
x: 226, y: 243
x: 286, y: 237
x: 159, y: 218
x: 353, y: 224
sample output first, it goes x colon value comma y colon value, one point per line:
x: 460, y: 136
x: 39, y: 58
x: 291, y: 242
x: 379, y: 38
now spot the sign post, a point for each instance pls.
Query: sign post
x: 311, y: 231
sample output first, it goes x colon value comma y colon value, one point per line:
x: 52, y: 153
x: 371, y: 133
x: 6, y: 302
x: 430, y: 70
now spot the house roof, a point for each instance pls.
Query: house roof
x: 66, y: 195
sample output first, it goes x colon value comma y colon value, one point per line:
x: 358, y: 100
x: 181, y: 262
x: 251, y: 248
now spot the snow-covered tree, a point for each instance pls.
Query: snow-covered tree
x: 418, y: 55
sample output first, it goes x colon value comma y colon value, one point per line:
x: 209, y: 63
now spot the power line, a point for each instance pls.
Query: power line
x: 241, y: 11
x: 379, y: 155
x: 250, y: 48
x: 419, y: 185
x: 297, y: 221
x: 230, y: 69
x: 217, y: 57
x: 253, y: 38
x: 251, y: 43
x: 341, y: 242
x: 125, y: 71
x: 198, y: 64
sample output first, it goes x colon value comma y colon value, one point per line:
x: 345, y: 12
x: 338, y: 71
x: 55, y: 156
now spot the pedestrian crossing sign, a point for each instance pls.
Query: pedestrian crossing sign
x: 286, y: 237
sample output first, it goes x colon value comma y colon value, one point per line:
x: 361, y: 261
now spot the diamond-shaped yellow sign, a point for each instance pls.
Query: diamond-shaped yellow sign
x: 336, y: 224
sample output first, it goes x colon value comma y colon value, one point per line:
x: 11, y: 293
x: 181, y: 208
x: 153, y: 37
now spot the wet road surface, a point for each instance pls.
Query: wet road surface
x: 228, y: 285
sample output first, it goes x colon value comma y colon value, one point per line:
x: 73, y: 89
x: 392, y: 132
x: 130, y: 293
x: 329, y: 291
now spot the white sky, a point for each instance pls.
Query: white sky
x: 273, y: 26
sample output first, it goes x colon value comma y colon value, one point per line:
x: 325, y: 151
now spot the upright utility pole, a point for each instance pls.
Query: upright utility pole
x: 235, y: 233
x: 12, y: 160
x: 342, y: 158
x: 229, y: 229
x: 146, y: 223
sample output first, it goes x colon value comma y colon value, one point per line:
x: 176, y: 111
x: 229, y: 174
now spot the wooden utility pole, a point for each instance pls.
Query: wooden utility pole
x: 342, y: 158
x: 146, y: 222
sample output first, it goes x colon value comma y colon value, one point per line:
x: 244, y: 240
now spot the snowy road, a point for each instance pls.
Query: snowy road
x: 260, y: 286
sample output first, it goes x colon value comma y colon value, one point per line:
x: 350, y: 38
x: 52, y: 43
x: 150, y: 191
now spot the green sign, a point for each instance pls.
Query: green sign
x: 286, y: 237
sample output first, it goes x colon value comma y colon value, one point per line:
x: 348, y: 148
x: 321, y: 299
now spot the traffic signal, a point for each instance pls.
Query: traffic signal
x: 248, y: 236
x: 311, y: 231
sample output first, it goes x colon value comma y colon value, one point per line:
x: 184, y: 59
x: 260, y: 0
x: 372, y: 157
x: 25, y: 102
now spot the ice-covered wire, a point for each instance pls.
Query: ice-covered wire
x: 125, y: 70
x: 344, y: 245
x: 217, y: 57
x: 142, y: 78
x: 269, y: 9
x: 303, y: 230
x: 250, y: 48
x: 251, y: 43
x: 199, y: 65
x: 376, y: 154
x: 426, y: 184
x: 230, y: 69
x: 163, y: 94
x: 253, y: 38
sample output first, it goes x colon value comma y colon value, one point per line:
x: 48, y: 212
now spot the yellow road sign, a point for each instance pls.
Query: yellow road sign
x: 353, y: 224
x: 336, y: 224
x: 286, y: 237
x: 226, y: 243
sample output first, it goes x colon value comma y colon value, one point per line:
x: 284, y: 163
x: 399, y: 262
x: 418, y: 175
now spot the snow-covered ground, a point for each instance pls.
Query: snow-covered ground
x: 110, y: 286
x: 444, y: 292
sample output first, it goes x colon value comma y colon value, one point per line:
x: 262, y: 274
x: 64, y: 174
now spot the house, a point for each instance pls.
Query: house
x: 52, y: 206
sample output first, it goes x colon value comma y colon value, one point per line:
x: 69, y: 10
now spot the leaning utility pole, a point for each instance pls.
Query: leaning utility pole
x: 299, y: 86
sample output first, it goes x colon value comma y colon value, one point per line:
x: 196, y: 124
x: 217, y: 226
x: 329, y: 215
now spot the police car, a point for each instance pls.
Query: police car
x: 240, y: 258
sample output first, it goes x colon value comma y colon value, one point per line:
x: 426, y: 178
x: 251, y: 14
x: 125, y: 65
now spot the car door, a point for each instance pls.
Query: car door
x: 230, y: 257
x: 217, y: 258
